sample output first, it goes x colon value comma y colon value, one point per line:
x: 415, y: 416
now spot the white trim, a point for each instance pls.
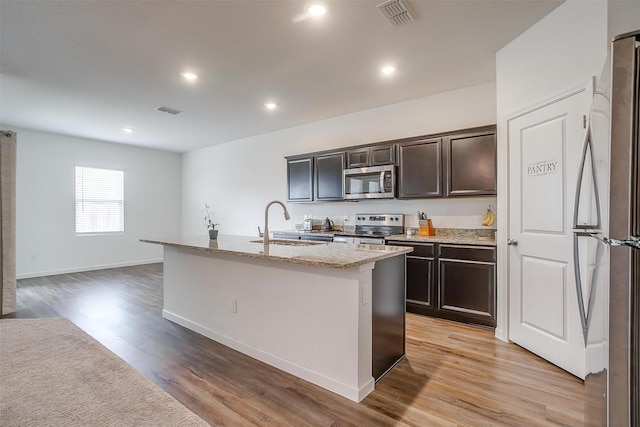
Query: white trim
x: 582, y: 86
x: 503, y: 214
x: 88, y: 268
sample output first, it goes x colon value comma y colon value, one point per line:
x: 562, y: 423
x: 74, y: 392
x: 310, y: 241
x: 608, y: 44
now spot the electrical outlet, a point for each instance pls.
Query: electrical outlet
x: 234, y: 305
x: 366, y: 294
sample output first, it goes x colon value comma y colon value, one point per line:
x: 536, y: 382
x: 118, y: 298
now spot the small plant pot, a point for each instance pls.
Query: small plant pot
x: 213, y: 234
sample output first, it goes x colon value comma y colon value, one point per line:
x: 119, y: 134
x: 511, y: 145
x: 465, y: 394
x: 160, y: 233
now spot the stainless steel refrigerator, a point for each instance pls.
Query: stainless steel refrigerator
x: 607, y: 240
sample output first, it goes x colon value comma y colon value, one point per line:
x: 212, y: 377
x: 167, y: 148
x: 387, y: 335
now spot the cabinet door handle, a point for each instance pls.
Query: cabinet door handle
x: 512, y: 242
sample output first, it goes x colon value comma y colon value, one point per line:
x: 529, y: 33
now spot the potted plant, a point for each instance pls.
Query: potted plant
x: 213, y: 233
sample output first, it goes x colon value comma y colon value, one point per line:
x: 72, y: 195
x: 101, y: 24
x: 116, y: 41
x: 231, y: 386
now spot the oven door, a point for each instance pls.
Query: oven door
x: 378, y: 182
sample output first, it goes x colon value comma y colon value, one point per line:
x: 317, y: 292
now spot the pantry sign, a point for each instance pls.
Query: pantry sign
x: 543, y: 167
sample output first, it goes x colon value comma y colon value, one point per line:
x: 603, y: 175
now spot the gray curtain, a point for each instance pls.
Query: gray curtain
x: 8, y: 151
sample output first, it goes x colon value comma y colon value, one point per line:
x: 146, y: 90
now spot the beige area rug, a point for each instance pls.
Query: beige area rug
x: 53, y: 374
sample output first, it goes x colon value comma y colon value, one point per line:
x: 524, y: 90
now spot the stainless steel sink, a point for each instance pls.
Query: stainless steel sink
x: 289, y: 242
x: 376, y: 248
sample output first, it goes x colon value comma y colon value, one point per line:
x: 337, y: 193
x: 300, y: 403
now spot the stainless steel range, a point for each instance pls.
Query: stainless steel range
x: 372, y: 228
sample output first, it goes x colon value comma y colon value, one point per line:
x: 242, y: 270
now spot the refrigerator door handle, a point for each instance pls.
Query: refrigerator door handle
x: 586, y: 146
x: 579, y: 292
x: 586, y: 313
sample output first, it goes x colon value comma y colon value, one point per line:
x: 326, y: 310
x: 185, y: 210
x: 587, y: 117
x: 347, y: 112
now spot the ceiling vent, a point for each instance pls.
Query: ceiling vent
x: 397, y: 12
x: 169, y: 110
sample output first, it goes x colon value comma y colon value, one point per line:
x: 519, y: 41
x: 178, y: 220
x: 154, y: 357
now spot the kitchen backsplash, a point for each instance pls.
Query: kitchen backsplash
x: 451, y: 213
x: 442, y: 222
x: 343, y: 222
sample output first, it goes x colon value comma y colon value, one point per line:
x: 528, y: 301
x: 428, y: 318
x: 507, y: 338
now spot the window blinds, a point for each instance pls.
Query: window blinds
x: 99, y: 200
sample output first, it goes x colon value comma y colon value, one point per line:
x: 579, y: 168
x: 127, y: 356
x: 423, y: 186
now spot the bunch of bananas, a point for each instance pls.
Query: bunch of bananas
x: 489, y: 218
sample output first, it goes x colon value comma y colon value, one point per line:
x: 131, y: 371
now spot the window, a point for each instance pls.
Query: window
x: 99, y: 200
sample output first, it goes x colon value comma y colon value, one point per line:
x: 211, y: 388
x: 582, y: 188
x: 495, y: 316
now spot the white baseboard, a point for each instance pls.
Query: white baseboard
x: 286, y: 365
x: 501, y: 335
x: 87, y: 268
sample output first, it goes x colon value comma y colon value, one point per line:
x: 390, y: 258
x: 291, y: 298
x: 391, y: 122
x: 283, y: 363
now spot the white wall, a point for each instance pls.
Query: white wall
x: 46, y: 206
x: 239, y: 178
x: 623, y: 17
x: 565, y: 48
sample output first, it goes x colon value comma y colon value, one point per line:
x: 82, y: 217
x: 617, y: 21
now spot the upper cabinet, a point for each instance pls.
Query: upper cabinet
x: 328, y: 176
x: 382, y: 155
x: 300, y: 179
x: 470, y: 163
x: 315, y: 177
x: 358, y: 158
x: 420, y: 168
x: 375, y: 155
x: 451, y: 164
x: 454, y: 164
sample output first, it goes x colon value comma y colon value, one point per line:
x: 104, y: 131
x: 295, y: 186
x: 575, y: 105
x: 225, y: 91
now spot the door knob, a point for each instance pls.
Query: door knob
x: 512, y: 242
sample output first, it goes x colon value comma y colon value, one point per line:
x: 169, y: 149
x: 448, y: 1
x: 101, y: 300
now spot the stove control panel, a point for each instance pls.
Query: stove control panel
x: 384, y: 220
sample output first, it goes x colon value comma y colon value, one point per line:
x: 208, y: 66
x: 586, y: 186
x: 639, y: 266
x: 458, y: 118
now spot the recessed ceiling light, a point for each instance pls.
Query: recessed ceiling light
x: 317, y: 9
x: 270, y: 106
x: 189, y: 75
x: 128, y: 130
x: 388, y: 70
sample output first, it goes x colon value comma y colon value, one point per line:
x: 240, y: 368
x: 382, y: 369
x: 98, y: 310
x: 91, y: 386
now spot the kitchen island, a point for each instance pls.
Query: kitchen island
x: 330, y: 313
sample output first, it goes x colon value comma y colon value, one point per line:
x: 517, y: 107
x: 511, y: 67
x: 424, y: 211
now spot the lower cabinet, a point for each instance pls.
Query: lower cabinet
x: 455, y: 282
x: 467, y: 284
x: 421, y: 269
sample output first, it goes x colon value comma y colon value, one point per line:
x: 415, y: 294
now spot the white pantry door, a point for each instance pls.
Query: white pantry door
x: 544, y: 154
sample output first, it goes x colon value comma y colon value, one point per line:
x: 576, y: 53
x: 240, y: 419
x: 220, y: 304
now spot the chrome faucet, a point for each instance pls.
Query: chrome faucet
x: 266, y: 220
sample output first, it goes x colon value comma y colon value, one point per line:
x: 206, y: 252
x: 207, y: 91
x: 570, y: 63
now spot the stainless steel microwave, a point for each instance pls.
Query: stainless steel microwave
x: 376, y: 182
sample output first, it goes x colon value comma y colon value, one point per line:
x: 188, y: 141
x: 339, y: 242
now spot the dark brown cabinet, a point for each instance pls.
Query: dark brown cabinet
x: 420, y: 168
x: 456, y: 164
x: 328, y: 176
x: 454, y: 282
x: 452, y: 164
x: 382, y: 155
x: 300, y: 179
x: 375, y: 155
x: 470, y: 163
x: 358, y: 158
x: 315, y: 178
x: 420, y: 278
x: 467, y: 284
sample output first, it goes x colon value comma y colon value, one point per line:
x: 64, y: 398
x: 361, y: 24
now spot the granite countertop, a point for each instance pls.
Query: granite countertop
x: 319, y: 254
x: 459, y: 239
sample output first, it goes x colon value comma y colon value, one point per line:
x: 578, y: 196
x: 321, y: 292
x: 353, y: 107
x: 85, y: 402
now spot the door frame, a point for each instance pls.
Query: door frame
x: 503, y: 214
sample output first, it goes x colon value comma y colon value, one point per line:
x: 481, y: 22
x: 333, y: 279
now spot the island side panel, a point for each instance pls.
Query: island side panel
x: 388, y: 314
x: 313, y: 322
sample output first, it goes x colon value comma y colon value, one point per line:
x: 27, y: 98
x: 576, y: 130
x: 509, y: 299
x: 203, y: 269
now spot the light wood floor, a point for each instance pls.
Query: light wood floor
x: 453, y: 375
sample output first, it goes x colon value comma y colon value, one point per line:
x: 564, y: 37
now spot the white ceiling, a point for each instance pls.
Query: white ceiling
x: 90, y: 68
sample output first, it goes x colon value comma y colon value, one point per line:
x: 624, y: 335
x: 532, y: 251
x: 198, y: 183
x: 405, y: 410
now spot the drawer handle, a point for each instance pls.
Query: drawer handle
x: 512, y: 242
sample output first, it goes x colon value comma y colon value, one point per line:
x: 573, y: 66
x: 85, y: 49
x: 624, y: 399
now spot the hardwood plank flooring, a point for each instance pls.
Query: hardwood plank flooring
x: 453, y: 375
